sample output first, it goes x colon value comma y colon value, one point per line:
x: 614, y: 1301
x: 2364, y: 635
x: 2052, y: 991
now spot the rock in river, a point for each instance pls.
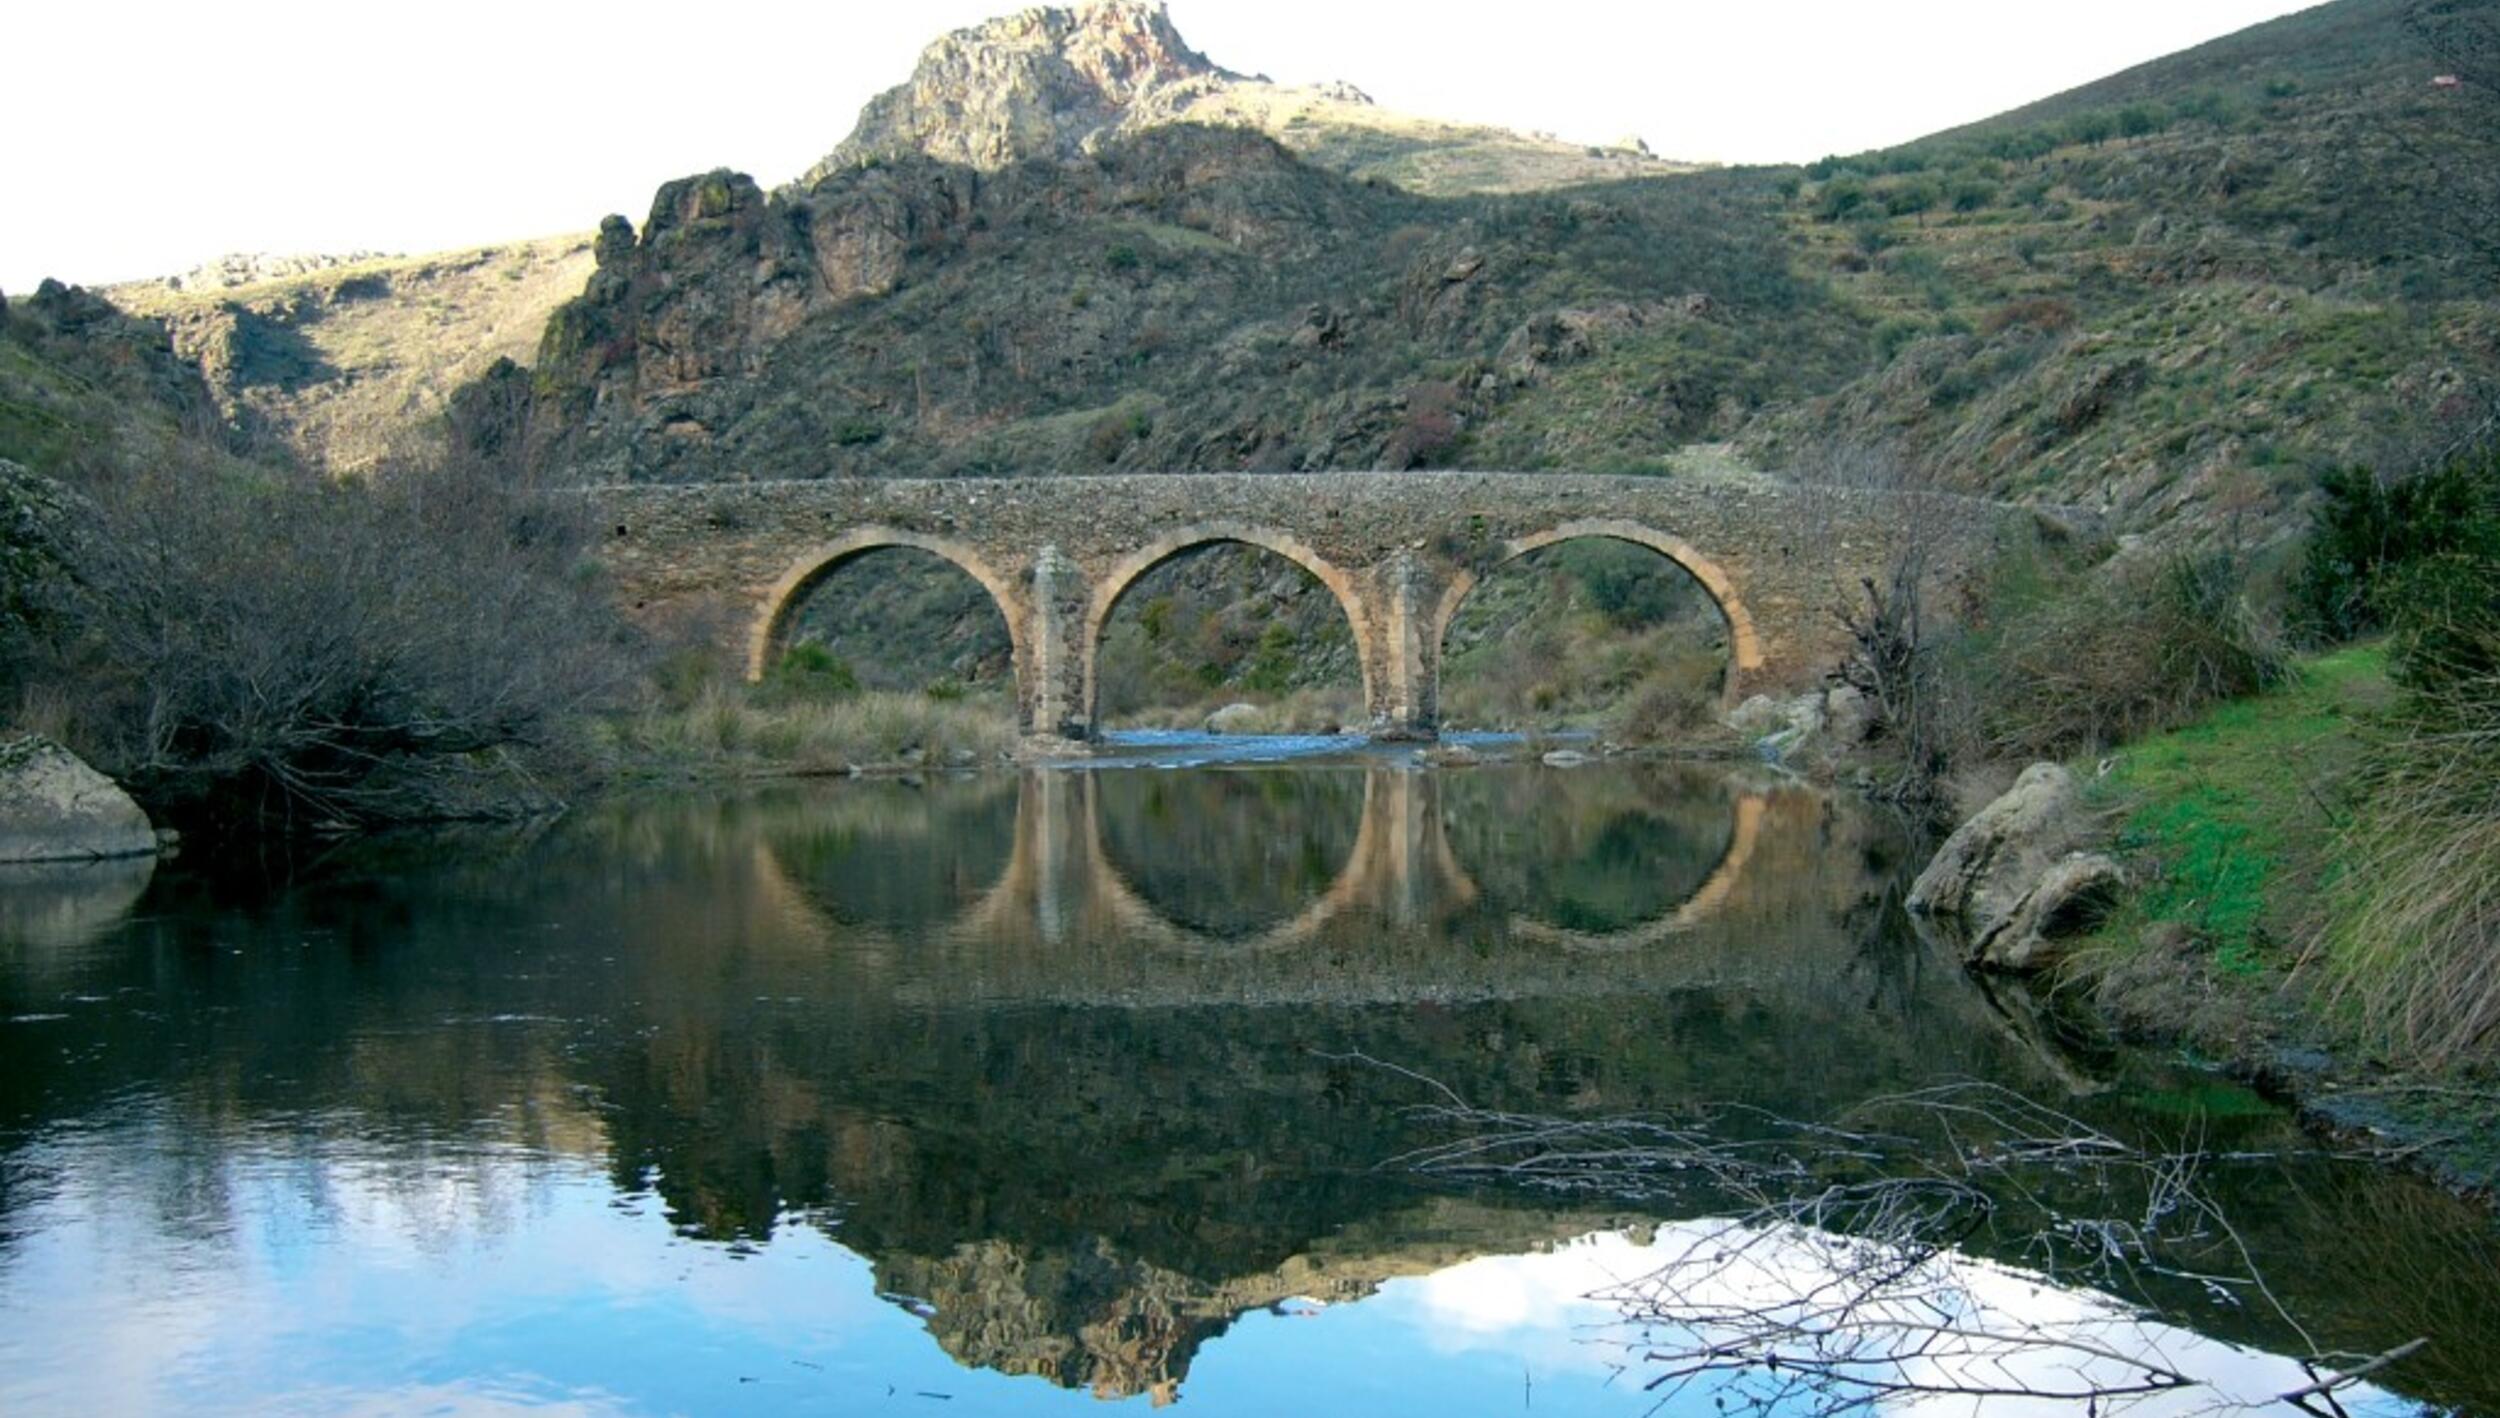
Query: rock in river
x: 2008, y: 880
x: 54, y: 808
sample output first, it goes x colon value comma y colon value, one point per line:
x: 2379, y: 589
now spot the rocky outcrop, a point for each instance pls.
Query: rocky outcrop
x: 36, y: 532
x: 2007, y: 881
x: 54, y: 808
x: 1041, y: 83
x: 1057, y: 83
x: 132, y: 358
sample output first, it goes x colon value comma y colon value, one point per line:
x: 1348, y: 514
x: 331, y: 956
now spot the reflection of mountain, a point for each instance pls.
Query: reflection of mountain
x: 1039, y: 1092
x: 1090, y: 1317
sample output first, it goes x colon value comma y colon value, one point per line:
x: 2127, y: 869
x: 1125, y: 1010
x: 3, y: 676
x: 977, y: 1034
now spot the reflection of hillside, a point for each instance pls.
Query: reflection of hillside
x: 1590, y: 852
x: 904, y: 861
x: 1227, y: 853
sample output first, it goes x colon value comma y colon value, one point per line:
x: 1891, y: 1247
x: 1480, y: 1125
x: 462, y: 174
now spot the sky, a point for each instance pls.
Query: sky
x: 145, y: 138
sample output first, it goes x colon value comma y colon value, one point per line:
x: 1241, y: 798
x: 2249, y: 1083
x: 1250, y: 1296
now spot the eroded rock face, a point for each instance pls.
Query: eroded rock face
x: 2074, y: 895
x: 2006, y: 879
x: 54, y: 808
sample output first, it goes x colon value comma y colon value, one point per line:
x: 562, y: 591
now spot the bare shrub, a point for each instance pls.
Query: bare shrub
x: 1893, y: 657
x: 270, y: 642
x: 2118, y: 652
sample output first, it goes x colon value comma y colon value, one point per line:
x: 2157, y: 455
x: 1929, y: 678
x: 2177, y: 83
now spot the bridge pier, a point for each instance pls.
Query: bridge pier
x: 1403, y: 649
x: 1052, y: 682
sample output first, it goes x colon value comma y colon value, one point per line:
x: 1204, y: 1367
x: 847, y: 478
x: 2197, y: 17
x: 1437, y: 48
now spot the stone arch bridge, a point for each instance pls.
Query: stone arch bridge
x: 1400, y: 552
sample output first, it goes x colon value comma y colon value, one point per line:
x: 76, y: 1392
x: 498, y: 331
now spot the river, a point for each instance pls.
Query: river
x: 1122, y: 1083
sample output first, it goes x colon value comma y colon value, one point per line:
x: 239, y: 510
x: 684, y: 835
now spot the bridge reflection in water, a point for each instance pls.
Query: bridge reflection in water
x: 1110, y: 875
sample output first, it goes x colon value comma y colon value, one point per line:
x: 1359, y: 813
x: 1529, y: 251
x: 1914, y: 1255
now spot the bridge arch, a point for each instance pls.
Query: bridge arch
x: 1744, y: 643
x: 1124, y: 573
x: 780, y: 604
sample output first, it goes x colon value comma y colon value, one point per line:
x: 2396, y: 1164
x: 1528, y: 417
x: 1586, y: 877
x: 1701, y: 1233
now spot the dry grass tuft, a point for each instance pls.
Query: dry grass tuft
x: 2413, y: 941
x: 729, y: 731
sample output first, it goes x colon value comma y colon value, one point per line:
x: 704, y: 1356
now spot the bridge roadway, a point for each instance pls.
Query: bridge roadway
x: 1400, y: 552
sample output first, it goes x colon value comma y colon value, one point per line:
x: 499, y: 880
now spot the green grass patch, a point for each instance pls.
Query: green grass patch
x: 2228, y: 820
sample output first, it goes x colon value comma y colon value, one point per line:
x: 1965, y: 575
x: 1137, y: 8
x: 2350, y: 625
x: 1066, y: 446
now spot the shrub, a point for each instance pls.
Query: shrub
x: 1665, y: 709
x: 2366, y: 535
x: 2046, y: 314
x: 1112, y: 434
x: 250, y: 642
x: 2412, y: 938
x: 2412, y: 944
x: 1908, y: 199
x: 2138, y: 120
x: 2085, y: 662
x: 813, y: 671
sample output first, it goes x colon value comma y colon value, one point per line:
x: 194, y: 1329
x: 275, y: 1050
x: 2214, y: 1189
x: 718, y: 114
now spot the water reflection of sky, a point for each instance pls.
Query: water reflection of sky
x: 334, y: 1278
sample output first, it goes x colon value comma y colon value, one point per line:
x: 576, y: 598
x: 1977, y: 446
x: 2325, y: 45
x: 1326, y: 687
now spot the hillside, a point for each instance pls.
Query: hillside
x: 1184, y: 297
x: 335, y: 359
x: 2179, y: 294
x: 1070, y: 242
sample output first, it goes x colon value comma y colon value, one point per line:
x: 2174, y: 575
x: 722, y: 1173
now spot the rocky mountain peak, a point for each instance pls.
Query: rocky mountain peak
x: 1042, y: 82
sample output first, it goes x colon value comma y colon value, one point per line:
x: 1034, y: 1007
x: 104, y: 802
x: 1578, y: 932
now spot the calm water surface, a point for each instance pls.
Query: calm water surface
x: 1024, y: 1095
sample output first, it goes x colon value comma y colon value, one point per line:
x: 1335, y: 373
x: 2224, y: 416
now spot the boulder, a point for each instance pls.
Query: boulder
x: 54, y: 808
x: 2074, y: 895
x: 1755, y: 717
x: 1237, y: 718
x: 2007, y: 880
x: 1991, y: 862
x: 1848, y: 715
x: 1778, y: 727
x: 1564, y: 758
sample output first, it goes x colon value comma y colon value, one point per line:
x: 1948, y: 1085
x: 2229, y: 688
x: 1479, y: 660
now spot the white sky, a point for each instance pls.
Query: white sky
x: 143, y: 138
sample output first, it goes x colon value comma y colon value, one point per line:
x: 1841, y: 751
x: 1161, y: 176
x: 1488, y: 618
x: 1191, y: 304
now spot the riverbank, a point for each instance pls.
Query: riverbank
x: 2233, y: 829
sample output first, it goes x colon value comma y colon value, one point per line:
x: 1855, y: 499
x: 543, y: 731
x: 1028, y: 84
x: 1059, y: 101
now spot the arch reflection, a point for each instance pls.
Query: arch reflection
x: 1238, y: 865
